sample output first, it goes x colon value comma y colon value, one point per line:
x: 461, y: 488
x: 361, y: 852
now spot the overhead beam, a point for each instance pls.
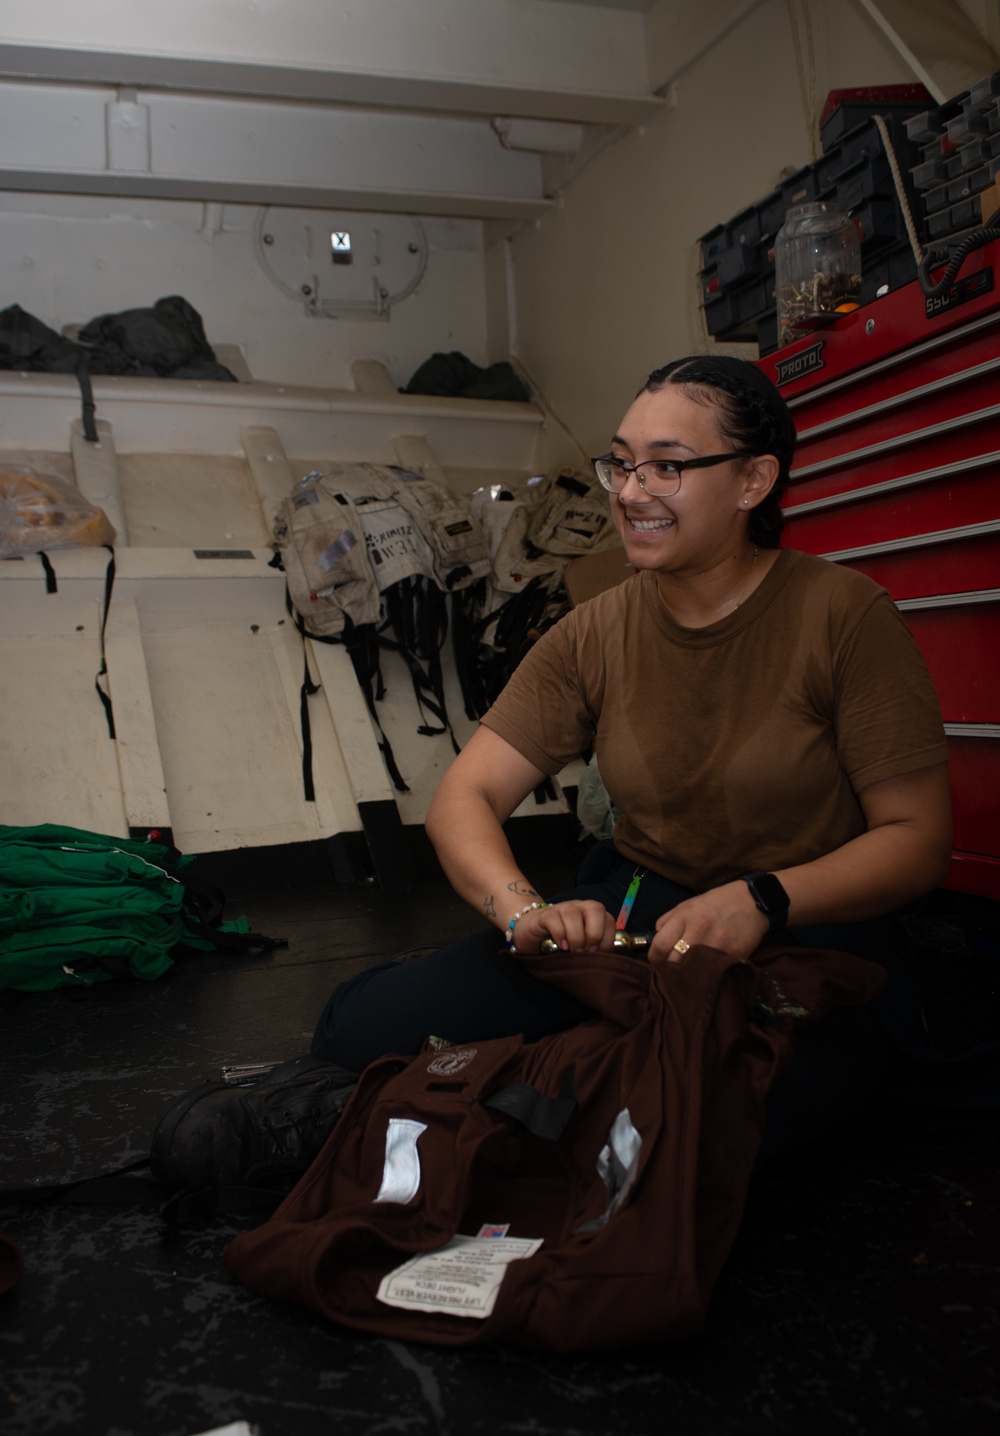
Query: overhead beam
x: 938, y: 41
x: 446, y: 206
x: 75, y: 139
x: 507, y: 57
x: 315, y: 85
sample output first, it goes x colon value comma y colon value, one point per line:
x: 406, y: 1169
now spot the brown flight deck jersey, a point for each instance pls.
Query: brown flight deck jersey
x: 737, y: 746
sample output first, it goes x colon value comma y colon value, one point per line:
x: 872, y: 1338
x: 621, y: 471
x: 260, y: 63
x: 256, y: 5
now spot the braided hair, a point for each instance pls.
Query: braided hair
x: 752, y: 415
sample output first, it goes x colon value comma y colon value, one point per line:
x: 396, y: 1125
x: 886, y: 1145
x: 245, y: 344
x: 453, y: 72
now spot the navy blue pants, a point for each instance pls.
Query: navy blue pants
x: 474, y: 989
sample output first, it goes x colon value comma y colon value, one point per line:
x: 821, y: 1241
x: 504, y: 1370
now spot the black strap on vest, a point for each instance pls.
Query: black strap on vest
x: 87, y: 395
x: 466, y: 633
x: 51, y: 586
x: 483, y: 671
x: 361, y: 643
x: 102, y: 672
x: 305, y: 693
x: 573, y: 485
x: 417, y: 614
x: 543, y: 1116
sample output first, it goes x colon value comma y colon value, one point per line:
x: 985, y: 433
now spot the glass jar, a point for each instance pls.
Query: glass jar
x: 817, y: 263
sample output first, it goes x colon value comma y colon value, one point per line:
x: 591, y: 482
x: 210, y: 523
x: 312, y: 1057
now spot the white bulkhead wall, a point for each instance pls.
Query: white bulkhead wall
x: 140, y: 146
x: 68, y: 258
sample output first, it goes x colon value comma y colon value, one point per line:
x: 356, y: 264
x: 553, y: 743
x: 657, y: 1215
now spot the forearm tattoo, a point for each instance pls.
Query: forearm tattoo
x: 522, y: 889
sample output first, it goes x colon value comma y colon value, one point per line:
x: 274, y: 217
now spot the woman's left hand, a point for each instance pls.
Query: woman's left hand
x: 903, y: 853
x: 726, y: 918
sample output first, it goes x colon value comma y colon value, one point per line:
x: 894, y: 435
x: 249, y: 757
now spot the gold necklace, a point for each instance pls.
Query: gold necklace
x: 746, y: 586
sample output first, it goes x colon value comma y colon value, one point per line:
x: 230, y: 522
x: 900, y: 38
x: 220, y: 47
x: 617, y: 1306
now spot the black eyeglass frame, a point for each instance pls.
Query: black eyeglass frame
x: 678, y: 464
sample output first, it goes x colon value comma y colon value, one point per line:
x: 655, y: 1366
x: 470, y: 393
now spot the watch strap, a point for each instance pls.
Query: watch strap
x: 770, y: 897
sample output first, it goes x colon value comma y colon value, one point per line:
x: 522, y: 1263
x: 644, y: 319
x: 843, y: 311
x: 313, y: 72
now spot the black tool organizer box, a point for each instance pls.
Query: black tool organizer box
x: 959, y: 158
x: 947, y: 155
x: 737, y: 273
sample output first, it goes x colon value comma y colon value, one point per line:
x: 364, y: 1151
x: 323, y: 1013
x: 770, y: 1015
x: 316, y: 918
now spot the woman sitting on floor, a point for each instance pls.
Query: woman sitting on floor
x: 762, y: 720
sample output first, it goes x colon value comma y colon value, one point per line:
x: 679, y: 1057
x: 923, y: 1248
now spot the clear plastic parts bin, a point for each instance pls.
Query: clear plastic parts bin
x: 817, y: 259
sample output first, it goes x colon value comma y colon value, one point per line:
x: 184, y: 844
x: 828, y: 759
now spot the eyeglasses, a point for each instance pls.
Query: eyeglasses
x: 664, y: 475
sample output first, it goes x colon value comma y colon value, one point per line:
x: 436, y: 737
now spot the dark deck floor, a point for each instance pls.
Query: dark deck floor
x: 863, y: 1295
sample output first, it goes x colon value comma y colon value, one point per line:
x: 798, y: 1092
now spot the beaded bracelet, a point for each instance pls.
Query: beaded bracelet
x: 508, y: 936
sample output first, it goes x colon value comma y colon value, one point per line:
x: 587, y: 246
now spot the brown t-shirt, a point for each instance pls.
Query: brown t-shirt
x: 737, y: 746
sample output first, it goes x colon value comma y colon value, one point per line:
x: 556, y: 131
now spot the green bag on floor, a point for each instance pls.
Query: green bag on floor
x: 80, y: 907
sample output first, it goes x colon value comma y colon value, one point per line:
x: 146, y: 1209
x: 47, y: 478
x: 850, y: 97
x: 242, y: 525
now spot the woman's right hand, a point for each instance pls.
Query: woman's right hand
x: 577, y: 925
x: 476, y: 796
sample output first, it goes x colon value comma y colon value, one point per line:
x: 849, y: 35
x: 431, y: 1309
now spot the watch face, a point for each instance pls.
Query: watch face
x: 769, y: 891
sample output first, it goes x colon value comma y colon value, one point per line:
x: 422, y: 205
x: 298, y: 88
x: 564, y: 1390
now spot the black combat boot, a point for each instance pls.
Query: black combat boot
x: 265, y: 1132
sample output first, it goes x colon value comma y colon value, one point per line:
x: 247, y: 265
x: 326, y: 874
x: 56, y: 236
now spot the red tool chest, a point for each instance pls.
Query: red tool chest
x: 897, y: 474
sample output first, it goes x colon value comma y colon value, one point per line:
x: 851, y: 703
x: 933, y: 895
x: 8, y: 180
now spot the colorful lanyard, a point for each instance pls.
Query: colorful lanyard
x: 629, y: 902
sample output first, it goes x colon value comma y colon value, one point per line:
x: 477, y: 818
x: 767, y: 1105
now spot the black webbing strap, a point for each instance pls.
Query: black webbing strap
x: 50, y: 574
x: 484, y: 671
x: 361, y: 642
x: 305, y: 693
x: 418, y: 618
x: 400, y: 603
x: 204, y: 907
x: 51, y: 586
x: 102, y: 672
x: 87, y: 396
x: 572, y: 485
x: 465, y: 638
x: 362, y: 646
x: 202, y: 901
x: 545, y: 792
x: 432, y: 620
x: 543, y: 1116
x: 228, y: 941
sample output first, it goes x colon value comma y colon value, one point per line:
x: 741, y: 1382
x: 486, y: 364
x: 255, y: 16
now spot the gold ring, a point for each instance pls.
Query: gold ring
x: 681, y: 946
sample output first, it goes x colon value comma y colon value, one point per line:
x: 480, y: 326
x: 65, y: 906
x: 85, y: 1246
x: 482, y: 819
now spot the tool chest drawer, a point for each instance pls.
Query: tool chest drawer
x: 975, y: 782
x: 897, y: 474
x: 889, y: 509
x: 960, y: 643
x: 955, y: 563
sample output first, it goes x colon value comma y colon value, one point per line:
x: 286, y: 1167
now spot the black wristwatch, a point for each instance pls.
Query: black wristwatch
x: 769, y: 896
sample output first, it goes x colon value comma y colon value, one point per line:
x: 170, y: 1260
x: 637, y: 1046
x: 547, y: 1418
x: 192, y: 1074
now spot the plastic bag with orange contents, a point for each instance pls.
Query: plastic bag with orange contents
x: 41, y: 511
